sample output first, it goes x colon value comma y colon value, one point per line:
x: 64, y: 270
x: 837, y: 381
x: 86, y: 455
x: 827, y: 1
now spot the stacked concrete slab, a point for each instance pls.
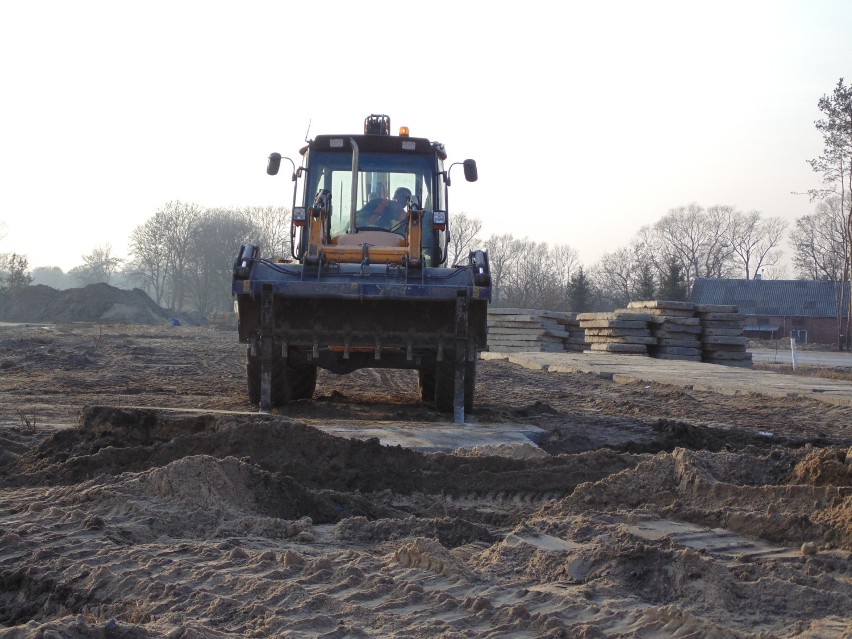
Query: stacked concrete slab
x: 524, y: 330
x: 676, y: 328
x: 575, y: 342
x: 722, y: 339
x: 621, y: 331
x: 657, y: 328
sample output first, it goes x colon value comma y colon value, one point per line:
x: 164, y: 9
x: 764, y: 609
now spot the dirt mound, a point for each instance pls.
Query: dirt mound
x: 206, y: 498
x: 111, y: 441
x: 788, y: 496
x: 99, y: 303
x: 825, y: 467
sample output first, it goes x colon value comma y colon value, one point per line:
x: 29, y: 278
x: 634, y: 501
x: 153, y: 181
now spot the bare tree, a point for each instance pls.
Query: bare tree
x: 718, y: 251
x: 98, y: 266
x: 565, y: 261
x: 182, y: 220
x: 463, y: 236
x: 503, y: 251
x: 160, y: 250
x: 215, y: 240
x: 819, y: 242
x: 680, y: 232
x: 270, y: 229
x: 697, y: 239
x: 755, y: 241
x: 624, y: 275
x: 538, y: 276
x: 151, y: 254
x: 527, y: 274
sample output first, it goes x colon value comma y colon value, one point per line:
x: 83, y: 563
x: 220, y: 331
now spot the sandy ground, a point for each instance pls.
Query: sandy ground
x: 647, y: 511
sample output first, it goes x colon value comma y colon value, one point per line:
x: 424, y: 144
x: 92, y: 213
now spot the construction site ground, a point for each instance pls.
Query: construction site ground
x: 585, y: 496
x: 698, y: 376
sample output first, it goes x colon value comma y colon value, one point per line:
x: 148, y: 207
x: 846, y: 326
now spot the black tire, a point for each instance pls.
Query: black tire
x: 280, y: 394
x: 445, y: 385
x: 303, y: 382
x: 426, y: 384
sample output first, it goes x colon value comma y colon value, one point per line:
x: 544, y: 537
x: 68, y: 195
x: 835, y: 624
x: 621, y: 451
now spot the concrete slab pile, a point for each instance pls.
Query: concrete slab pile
x: 677, y: 330
x: 620, y: 331
x: 662, y: 329
x: 722, y: 339
x: 524, y: 330
x: 576, y: 340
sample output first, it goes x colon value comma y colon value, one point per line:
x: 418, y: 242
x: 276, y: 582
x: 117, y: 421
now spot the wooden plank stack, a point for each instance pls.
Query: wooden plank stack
x: 722, y: 339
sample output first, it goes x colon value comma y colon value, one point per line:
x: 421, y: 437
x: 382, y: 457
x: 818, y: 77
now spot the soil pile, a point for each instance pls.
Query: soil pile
x: 98, y: 303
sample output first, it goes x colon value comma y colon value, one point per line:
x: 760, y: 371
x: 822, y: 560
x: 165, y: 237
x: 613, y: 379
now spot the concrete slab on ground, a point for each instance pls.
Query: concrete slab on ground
x: 435, y: 436
x: 727, y: 380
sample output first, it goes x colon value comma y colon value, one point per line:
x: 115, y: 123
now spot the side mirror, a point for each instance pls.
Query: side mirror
x: 470, y: 172
x: 274, y: 163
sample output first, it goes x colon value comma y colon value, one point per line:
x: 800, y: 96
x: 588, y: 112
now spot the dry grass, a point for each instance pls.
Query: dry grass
x: 824, y: 372
x: 784, y: 345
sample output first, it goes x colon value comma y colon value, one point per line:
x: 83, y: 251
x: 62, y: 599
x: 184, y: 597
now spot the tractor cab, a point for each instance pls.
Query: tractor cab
x: 376, y: 197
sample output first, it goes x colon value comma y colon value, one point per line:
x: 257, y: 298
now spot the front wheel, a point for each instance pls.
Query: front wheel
x: 289, y: 382
x: 426, y: 384
x: 445, y: 385
x: 280, y: 387
x: 302, y: 381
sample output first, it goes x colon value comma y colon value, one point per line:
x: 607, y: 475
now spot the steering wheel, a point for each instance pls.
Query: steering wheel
x: 380, y: 212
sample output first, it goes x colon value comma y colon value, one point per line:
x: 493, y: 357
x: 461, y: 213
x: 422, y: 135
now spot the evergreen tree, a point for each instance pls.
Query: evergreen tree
x: 579, y: 292
x: 646, y: 286
x: 673, y: 284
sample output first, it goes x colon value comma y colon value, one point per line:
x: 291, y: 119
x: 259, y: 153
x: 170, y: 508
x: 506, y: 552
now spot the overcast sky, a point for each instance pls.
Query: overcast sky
x: 588, y: 120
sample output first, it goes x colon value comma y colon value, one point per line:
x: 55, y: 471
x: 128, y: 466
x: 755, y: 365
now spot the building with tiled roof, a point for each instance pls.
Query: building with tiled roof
x: 809, y: 310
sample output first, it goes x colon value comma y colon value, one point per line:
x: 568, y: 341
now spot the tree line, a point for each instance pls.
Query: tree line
x: 662, y: 261
x: 182, y: 256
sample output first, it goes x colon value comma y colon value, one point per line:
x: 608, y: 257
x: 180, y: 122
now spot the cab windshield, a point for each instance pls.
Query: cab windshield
x: 385, y: 182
